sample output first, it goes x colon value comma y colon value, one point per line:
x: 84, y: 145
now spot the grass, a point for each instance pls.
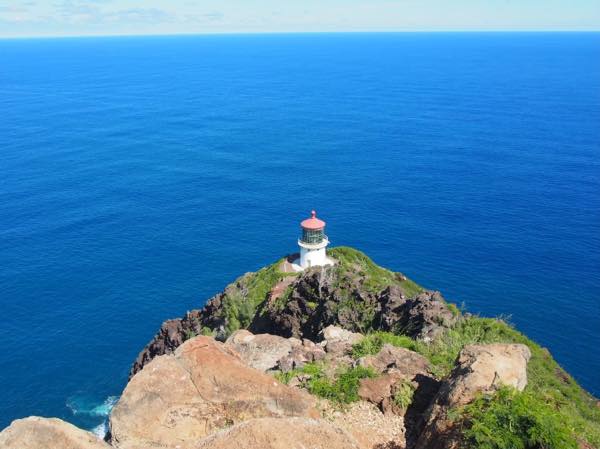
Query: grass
x: 243, y: 297
x: 341, y: 389
x: 376, y: 278
x: 372, y: 343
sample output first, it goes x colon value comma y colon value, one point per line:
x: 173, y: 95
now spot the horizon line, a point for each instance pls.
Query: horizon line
x: 232, y: 33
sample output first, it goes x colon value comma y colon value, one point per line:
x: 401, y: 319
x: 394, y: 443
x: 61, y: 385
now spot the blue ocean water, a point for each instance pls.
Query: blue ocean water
x: 138, y: 176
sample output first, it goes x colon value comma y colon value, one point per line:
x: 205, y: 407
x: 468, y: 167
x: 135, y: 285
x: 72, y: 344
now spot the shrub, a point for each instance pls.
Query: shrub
x: 372, y: 343
x: 404, y: 393
x: 188, y: 334
x: 513, y: 420
x: 566, y: 400
x: 343, y: 389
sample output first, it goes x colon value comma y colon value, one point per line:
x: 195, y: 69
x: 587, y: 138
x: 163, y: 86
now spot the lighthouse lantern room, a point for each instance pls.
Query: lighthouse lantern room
x: 312, y: 244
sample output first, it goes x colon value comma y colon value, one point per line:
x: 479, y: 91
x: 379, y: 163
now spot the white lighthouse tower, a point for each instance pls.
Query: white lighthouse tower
x: 312, y: 244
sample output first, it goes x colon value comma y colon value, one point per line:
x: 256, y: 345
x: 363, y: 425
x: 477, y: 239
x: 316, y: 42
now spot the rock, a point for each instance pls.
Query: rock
x: 262, y: 351
x: 371, y: 428
x: 478, y: 369
x: 424, y: 316
x: 301, y: 355
x: 483, y: 368
x: 303, y: 305
x: 169, y: 337
x: 401, y: 361
x: 47, y: 433
x: 266, y: 352
x: 280, y: 433
x: 335, y: 333
x: 212, y: 317
x: 398, y: 365
x: 338, y: 340
x: 378, y: 389
x: 203, y: 387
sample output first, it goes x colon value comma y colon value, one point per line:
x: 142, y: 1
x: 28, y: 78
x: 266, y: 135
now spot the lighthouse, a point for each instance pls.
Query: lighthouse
x: 312, y: 242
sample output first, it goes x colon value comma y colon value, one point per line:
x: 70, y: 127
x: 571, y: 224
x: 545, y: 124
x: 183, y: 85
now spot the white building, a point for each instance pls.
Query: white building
x: 312, y: 244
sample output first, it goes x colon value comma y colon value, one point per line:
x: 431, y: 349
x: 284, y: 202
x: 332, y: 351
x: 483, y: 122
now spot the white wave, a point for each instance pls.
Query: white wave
x: 104, y: 408
x: 84, y: 406
x: 100, y: 430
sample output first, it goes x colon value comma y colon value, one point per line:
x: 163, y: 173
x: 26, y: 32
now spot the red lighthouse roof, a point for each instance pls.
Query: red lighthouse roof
x: 313, y: 222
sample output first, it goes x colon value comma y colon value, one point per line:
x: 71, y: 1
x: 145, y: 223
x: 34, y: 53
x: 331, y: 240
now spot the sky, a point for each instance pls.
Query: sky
x: 31, y: 18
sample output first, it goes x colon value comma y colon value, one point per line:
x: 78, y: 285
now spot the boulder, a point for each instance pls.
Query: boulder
x: 400, y: 361
x: 47, y: 433
x: 338, y: 340
x: 203, y: 387
x: 478, y: 369
x: 308, y: 352
x: 262, y: 351
x: 377, y: 390
x: 266, y: 351
x: 424, y: 316
x: 280, y: 433
x: 483, y: 368
x: 398, y: 366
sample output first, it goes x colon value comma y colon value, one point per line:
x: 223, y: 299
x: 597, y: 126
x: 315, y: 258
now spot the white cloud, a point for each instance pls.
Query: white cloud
x: 80, y: 17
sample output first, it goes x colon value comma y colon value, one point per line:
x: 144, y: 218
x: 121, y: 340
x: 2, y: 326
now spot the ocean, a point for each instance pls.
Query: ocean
x: 140, y: 175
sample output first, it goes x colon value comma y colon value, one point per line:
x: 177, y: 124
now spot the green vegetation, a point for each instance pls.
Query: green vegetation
x: 207, y: 332
x: 341, y: 389
x: 404, y: 393
x: 376, y: 278
x: 508, y: 419
x: 513, y: 420
x: 312, y: 369
x: 372, y: 343
x: 188, y: 333
x: 243, y: 297
x: 453, y: 308
x: 356, y: 271
x: 547, y: 381
x: 443, y: 351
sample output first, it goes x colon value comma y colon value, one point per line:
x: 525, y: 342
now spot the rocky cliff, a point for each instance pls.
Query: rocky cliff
x: 355, y: 294
x: 348, y: 356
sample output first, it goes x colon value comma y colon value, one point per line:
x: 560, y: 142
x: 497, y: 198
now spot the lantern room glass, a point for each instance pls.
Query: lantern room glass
x: 312, y: 236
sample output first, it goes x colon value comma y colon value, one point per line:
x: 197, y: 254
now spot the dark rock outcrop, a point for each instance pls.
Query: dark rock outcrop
x: 354, y: 294
x: 423, y: 316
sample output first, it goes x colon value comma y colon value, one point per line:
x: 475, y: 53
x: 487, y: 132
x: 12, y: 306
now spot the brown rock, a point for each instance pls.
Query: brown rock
x: 375, y: 390
x: 266, y: 352
x: 262, y: 351
x: 479, y: 368
x: 402, y: 361
x: 280, y: 433
x: 483, y: 368
x: 47, y: 433
x: 179, y: 399
x: 371, y: 428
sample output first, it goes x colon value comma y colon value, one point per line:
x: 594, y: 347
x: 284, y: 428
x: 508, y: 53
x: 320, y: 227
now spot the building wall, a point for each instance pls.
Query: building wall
x: 312, y: 257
